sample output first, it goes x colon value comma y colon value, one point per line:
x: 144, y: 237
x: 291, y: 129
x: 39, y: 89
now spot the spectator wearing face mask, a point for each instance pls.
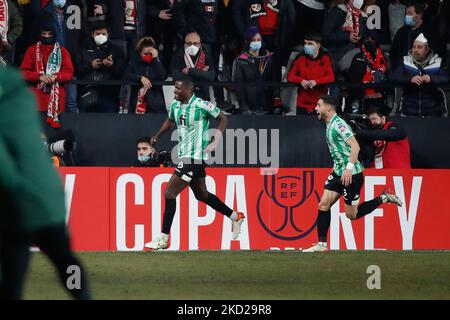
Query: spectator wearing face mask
x: 146, y: 154
x: 146, y: 68
x: 47, y: 66
x: 255, y: 65
x: 196, y: 62
x: 312, y: 70
x: 405, y: 36
x: 100, y: 60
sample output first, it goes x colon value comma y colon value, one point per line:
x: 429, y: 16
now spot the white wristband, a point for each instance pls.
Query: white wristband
x: 350, y: 166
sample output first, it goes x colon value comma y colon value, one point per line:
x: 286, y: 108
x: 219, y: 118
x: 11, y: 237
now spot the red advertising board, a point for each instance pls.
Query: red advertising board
x: 122, y: 208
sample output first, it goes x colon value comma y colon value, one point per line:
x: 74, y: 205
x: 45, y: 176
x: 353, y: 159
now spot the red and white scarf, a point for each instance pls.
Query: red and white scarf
x: 53, y: 66
x: 141, y: 104
x: 4, y: 16
x: 378, y: 64
x: 352, y: 20
x: 199, y: 64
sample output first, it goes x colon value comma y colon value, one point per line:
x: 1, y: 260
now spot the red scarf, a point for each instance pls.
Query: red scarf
x: 378, y: 64
x: 141, y: 104
x: 352, y: 20
x: 199, y: 64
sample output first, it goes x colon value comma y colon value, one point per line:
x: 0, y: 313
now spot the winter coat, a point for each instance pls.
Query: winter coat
x: 403, y: 41
x: 15, y: 23
x: 92, y: 51
x: 196, y: 15
x: 154, y: 71
x: 420, y: 100
x: 335, y: 39
x: 319, y: 69
x: 116, y: 18
x: 178, y: 64
x: 258, y: 99
x: 286, y: 21
x: 28, y: 68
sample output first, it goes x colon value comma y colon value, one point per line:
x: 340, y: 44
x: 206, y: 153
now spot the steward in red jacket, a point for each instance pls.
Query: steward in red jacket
x: 47, y: 66
x: 312, y: 69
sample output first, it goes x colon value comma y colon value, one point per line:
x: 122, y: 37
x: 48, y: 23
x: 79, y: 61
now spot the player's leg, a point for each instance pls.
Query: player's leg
x: 14, y: 257
x: 332, y: 192
x: 55, y: 243
x: 352, y: 196
x: 329, y: 198
x: 201, y: 193
x: 174, y: 187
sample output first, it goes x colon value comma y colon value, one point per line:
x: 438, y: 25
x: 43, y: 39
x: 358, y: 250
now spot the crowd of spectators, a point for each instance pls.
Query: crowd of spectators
x: 312, y: 43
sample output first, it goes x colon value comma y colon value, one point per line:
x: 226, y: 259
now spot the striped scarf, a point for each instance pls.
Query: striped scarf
x: 352, y: 19
x: 4, y: 16
x: 52, y: 67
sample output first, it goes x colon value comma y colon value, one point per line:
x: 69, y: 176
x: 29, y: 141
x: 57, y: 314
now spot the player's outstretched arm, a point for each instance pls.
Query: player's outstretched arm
x: 167, y: 125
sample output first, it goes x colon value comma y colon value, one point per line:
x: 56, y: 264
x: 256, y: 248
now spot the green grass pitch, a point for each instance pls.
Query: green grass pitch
x: 241, y: 275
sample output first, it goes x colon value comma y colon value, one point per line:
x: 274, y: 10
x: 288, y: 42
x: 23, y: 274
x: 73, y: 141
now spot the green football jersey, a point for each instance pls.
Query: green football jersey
x: 32, y: 195
x: 192, y: 120
x: 338, y: 132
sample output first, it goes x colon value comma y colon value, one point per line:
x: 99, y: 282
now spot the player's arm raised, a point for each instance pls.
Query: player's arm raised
x: 167, y: 125
x: 222, y: 118
x: 354, y: 151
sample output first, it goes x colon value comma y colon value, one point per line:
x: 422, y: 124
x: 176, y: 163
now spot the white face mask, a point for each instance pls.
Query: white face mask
x: 100, y: 39
x: 192, y: 50
x: 358, y: 3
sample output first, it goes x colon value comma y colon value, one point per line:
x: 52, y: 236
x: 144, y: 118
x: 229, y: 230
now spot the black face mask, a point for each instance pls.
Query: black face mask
x: 371, y: 47
x: 47, y: 40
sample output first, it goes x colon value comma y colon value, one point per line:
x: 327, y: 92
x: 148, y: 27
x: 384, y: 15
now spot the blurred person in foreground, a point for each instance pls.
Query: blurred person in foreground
x: 32, y: 206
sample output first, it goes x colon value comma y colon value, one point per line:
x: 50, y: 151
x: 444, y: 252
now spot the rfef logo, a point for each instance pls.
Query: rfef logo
x: 292, y: 205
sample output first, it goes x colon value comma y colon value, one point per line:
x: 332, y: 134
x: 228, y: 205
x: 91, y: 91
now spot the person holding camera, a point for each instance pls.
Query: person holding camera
x: 389, y: 140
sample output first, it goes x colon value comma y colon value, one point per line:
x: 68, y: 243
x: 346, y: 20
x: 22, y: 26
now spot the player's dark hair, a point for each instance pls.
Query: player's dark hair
x: 330, y: 100
x: 186, y: 81
x: 145, y: 139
